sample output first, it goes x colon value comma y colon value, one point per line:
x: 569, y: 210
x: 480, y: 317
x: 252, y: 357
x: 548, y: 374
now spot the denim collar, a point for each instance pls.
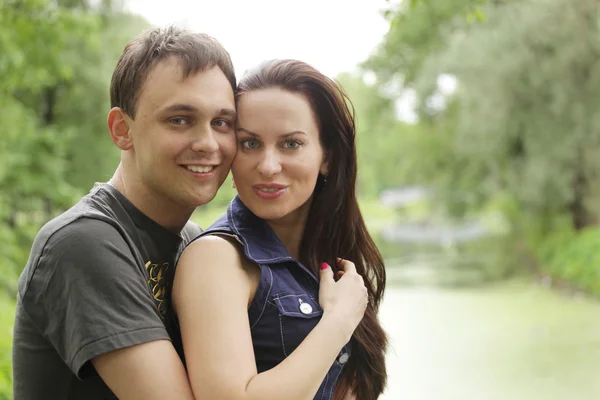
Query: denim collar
x: 261, y: 244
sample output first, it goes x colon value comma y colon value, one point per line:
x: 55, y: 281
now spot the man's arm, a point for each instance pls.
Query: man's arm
x: 131, y: 373
x: 90, y: 298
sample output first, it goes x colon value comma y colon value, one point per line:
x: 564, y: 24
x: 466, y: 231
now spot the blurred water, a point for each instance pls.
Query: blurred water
x: 511, y: 340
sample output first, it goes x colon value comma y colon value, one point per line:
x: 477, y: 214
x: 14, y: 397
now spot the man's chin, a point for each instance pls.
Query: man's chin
x: 203, y: 199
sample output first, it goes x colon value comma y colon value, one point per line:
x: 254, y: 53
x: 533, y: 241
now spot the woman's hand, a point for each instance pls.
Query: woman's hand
x: 350, y: 396
x: 345, y: 300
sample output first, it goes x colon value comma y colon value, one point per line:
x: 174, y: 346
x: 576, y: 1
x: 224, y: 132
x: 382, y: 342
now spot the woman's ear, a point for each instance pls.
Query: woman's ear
x: 324, y: 170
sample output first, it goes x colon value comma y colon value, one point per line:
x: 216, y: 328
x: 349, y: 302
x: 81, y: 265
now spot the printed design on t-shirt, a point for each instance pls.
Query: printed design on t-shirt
x: 158, y: 284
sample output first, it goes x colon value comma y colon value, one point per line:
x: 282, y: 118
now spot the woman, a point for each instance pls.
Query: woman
x: 256, y: 322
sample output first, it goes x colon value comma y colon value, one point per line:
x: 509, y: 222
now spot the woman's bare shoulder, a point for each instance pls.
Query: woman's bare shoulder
x: 215, y: 245
x: 207, y: 265
x: 219, y: 249
x: 224, y: 249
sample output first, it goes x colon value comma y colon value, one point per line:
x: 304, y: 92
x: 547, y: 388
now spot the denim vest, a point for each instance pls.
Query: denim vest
x: 285, y: 307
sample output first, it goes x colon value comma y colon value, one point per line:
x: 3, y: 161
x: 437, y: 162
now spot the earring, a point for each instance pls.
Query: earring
x: 323, y: 178
x: 233, y: 184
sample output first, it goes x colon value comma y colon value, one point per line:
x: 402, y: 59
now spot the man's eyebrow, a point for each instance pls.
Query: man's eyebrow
x: 180, y: 107
x: 227, y: 112
x: 285, y: 135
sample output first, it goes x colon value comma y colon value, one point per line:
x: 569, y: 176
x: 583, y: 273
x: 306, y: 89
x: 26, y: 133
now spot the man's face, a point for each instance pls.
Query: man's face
x: 183, y: 137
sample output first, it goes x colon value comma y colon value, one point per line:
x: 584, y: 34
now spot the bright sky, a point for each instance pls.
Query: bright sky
x: 332, y: 35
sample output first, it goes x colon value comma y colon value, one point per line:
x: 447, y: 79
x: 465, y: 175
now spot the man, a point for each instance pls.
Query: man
x: 91, y: 319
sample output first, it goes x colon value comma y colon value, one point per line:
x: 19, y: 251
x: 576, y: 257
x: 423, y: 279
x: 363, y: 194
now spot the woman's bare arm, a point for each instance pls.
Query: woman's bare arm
x: 210, y: 293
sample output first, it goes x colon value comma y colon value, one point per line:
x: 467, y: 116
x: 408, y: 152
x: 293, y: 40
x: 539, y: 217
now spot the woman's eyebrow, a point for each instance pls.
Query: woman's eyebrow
x: 240, y: 129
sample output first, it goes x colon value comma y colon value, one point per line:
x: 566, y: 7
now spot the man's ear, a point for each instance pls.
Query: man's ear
x: 119, y: 128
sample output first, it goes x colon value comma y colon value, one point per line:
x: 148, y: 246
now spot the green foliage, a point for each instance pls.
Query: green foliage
x: 522, y: 123
x: 7, y: 309
x: 573, y: 258
x: 536, y: 135
x: 418, y: 29
x: 56, y: 67
x: 378, y: 136
x: 521, y: 132
x: 56, y: 62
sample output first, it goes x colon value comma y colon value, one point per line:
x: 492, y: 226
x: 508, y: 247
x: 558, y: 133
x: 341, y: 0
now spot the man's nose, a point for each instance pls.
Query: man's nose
x: 204, y: 141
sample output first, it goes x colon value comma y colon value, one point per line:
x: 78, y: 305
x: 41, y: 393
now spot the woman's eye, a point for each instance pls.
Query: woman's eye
x: 249, y: 144
x: 292, y: 144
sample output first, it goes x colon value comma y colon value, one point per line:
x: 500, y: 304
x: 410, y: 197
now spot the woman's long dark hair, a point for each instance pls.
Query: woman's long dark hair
x: 335, y: 226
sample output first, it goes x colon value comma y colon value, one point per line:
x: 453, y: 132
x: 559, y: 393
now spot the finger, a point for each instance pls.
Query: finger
x: 326, y: 273
x: 345, y: 265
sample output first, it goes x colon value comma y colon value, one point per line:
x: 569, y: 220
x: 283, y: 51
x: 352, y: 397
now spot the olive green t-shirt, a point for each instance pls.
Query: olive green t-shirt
x: 98, y: 279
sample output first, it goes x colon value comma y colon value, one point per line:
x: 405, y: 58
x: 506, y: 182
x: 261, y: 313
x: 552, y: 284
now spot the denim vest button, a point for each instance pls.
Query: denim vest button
x: 343, y: 358
x: 305, y: 308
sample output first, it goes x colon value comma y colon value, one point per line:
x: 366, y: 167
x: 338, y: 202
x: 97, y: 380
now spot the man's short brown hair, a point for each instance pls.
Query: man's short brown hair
x: 196, y: 51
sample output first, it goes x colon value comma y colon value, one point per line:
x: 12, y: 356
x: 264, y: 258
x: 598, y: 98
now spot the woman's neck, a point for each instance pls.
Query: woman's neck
x: 290, y: 229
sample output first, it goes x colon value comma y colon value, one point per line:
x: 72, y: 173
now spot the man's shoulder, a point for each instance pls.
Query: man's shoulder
x: 85, y: 229
x: 89, y: 217
x: 82, y: 228
x: 190, y: 231
x: 193, y: 231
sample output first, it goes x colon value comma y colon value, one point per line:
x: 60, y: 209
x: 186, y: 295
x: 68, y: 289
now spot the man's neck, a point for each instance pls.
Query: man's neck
x: 153, y: 206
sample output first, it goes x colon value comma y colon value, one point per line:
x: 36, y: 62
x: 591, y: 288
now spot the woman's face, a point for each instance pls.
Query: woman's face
x: 279, y: 154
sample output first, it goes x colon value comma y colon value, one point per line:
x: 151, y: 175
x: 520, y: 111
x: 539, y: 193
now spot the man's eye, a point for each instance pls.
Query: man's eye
x: 221, y: 123
x: 178, y: 121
